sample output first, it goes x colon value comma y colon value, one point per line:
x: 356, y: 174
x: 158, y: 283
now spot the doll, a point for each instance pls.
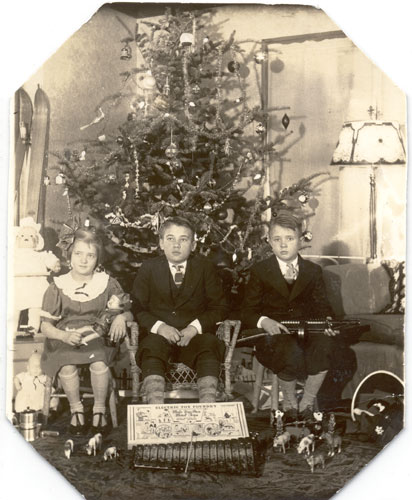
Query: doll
x: 32, y: 266
x: 30, y: 387
x: 115, y: 305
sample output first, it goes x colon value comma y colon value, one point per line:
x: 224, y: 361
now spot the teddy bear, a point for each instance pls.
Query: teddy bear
x: 30, y: 387
x: 32, y: 266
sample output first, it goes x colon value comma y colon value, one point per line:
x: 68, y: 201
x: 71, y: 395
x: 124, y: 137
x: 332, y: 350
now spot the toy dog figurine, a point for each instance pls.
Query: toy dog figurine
x: 334, y: 442
x: 282, y: 441
x: 307, y: 444
x: 94, y: 444
x: 315, y: 459
x: 110, y: 453
x: 68, y: 448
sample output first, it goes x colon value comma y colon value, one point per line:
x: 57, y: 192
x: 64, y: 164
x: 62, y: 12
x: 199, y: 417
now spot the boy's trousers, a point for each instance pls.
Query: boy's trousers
x: 204, y: 354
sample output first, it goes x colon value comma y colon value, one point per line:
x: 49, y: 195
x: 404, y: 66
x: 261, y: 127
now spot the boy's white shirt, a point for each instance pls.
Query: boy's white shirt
x: 283, y: 269
x: 195, y: 322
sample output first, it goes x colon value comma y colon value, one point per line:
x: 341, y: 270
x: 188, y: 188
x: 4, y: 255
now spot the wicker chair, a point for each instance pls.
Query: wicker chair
x: 181, y: 381
x: 131, y: 342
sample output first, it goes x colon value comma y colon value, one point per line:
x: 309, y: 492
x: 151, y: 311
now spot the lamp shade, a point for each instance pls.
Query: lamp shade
x: 369, y: 142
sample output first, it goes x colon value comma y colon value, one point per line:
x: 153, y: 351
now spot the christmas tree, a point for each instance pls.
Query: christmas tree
x: 191, y: 146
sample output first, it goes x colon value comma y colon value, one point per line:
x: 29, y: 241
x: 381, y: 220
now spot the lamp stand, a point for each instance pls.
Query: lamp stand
x: 372, y: 216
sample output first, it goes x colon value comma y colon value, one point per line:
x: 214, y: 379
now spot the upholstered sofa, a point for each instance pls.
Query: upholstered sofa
x: 373, y: 293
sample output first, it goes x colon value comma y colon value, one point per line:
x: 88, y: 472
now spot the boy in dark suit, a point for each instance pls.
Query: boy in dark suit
x: 286, y: 286
x: 178, y: 299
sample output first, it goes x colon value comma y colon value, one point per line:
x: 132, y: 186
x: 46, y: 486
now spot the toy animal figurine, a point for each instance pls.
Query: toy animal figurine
x: 94, y: 444
x: 334, y: 441
x: 68, y: 448
x: 307, y: 444
x: 316, y: 459
x: 32, y: 266
x: 282, y: 440
x: 110, y: 453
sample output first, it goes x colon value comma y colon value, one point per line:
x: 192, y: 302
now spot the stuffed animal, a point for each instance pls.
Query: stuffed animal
x: 30, y: 387
x: 32, y: 266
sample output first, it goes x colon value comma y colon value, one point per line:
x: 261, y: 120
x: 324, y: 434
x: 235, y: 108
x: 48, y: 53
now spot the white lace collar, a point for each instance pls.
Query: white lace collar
x: 82, y: 292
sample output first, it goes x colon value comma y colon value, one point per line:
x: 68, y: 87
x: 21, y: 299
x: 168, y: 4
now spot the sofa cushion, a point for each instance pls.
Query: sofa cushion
x: 355, y: 289
x: 396, y: 272
x: 384, y: 328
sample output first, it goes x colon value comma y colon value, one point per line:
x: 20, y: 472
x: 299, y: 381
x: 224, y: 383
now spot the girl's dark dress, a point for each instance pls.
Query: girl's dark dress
x: 76, y: 304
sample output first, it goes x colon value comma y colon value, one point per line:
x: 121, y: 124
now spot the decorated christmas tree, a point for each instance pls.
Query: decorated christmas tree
x: 191, y: 145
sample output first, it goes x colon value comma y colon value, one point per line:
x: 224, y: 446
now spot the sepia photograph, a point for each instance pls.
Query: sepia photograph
x: 205, y: 252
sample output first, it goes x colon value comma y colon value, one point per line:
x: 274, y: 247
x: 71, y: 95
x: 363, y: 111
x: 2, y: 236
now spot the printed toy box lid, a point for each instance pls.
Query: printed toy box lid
x: 177, y: 423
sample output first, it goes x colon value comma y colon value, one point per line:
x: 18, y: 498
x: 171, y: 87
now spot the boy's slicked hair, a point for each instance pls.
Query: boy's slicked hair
x: 176, y: 221
x: 287, y: 220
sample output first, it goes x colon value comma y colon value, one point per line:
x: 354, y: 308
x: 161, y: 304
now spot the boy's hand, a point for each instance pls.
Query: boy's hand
x: 171, y: 334
x: 329, y: 330
x: 186, y: 335
x: 273, y: 327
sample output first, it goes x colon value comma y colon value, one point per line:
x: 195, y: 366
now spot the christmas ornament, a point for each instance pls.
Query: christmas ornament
x: 260, y: 57
x: 126, y: 52
x: 257, y: 178
x: 171, y: 150
x: 102, y: 138
x: 120, y: 140
x: 161, y: 102
x: 212, y: 183
x: 307, y: 236
x: 303, y: 198
x: 228, y: 147
x: 166, y: 88
x: 148, y: 82
x: 46, y: 180
x: 277, y: 65
x: 234, y: 257
x: 82, y: 156
x: 313, y: 203
x: 233, y: 66
x: 111, y: 177
x: 186, y: 39
x: 260, y: 128
x: 86, y: 222
x: 249, y: 253
x: 285, y: 121
x: 195, y: 88
x: 207, y: 207
x: 192, y: 104
x: 206, y: 44
x: 221, y: 214
x: 124, y: 194
x: 60, y: 178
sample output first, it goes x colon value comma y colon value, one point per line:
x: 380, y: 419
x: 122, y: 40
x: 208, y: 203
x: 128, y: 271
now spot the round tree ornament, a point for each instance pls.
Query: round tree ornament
x: 171, y: 150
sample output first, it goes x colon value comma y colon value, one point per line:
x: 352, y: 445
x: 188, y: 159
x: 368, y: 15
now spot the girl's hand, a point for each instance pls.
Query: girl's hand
x: 118, y: 328
x: 72, y: 337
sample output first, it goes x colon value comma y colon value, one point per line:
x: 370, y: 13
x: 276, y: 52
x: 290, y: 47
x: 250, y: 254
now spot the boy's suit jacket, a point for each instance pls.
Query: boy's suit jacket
x: 267, y: 293
x: 199, y: 297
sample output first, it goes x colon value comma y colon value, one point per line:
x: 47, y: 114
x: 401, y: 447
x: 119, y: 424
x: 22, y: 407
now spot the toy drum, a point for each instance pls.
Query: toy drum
x: 28, y: 425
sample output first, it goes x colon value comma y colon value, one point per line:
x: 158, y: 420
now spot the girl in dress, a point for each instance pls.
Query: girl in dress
x: 72, y: 301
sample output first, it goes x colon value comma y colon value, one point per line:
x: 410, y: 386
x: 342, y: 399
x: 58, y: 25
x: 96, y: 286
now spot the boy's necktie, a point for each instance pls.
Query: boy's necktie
x: 291, y: 273
x: 178, y: 275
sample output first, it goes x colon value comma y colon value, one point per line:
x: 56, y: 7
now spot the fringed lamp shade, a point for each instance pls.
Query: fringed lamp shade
x: 368, y: 143
x: 371, y: 156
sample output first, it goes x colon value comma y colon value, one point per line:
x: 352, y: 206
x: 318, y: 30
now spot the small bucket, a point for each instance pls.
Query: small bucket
x: 29, y: 427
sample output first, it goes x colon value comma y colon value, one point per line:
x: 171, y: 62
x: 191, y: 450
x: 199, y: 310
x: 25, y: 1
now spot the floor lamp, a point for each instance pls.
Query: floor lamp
x: 370, y: 144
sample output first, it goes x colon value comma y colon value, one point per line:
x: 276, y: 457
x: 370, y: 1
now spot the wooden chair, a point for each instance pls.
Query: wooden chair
x: 131, y: 342
x: 274, y: 392
x: 181, y: 381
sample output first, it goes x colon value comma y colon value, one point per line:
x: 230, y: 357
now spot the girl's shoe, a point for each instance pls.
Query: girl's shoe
x: 100, y: 427
x: 79, y: 428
